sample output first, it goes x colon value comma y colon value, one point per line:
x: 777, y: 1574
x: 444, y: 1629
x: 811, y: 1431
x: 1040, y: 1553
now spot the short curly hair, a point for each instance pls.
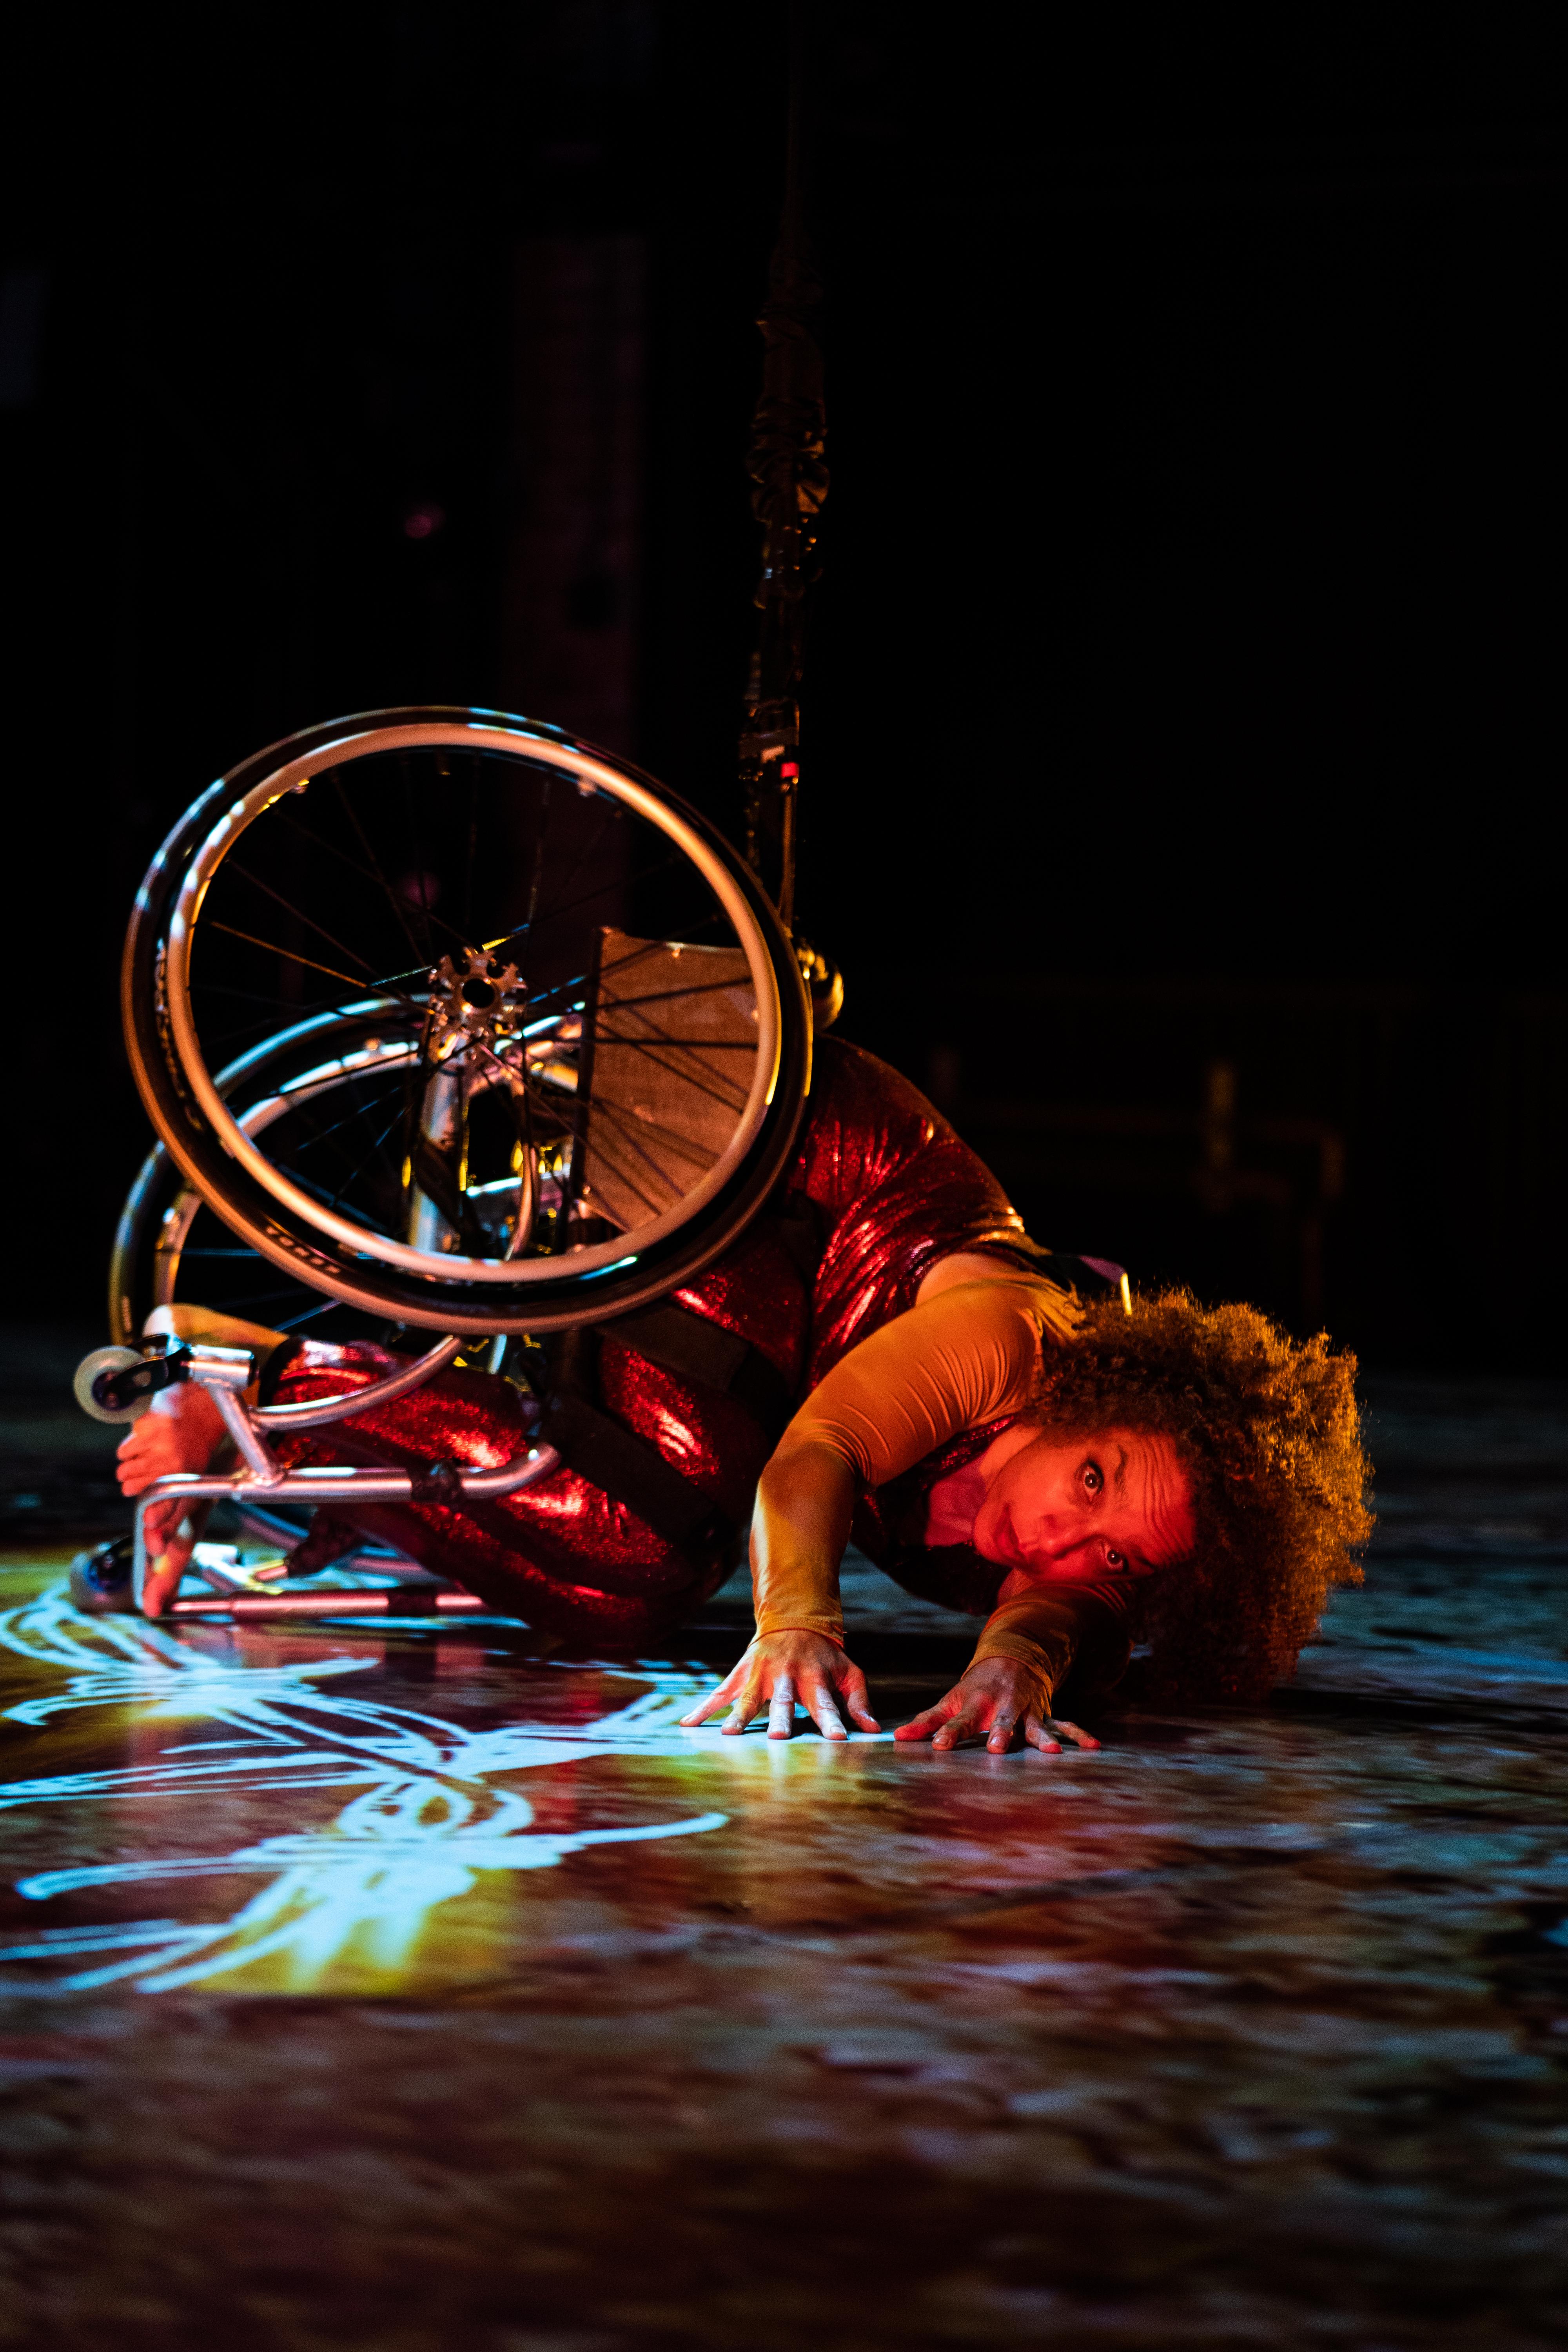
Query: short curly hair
x: 1269, y: 1433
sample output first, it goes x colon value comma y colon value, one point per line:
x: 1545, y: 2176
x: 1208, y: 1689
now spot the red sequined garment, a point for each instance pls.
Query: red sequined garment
x: 889, y: 1188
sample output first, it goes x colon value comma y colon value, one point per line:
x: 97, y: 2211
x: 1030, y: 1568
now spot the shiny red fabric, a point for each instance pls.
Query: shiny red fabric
x: 893, y: 1190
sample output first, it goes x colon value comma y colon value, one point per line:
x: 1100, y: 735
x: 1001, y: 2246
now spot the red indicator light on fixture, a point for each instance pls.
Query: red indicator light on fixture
x: 789, y: 769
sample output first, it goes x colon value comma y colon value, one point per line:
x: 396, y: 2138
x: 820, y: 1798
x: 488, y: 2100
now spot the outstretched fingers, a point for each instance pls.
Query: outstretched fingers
x: 827, y: 1702
x: 716, y: 1701
x: 930, y: 1719
x: 946, y: 1725
x: 742, y: 1691
x: 1080, y: 1739
x: 1047, y: 1733
x: 782, y: 1671
x: 854, y: 1698
x: 821, y: 1705
x: 747, y: 1693
x: 997, y: 1718
x: 969, y: 1723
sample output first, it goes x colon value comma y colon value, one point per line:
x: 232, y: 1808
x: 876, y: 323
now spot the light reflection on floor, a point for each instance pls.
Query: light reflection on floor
x: 410, y: 1987
x: 345, y: 1901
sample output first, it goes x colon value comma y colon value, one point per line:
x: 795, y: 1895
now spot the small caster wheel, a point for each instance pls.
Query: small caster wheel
x: 100, y: 1579
x: 91, y: 1371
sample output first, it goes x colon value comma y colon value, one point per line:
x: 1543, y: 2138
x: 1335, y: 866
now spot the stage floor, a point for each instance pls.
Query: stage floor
x: 403, y: 1989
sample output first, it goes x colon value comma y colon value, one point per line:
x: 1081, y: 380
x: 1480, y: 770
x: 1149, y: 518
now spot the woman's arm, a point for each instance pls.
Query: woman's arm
x: 960, y: 1358
x: 963, y: 1358
x: 1039, y: 1631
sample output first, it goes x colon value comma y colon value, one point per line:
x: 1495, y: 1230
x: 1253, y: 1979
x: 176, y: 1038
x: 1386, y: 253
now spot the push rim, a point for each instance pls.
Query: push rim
x: 380, y: 1274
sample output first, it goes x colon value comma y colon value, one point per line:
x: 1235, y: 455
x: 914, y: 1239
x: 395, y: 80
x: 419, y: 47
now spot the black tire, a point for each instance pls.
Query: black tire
x: 292, y: 1243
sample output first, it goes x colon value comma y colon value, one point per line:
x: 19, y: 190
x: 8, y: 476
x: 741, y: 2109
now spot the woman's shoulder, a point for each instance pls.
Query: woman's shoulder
x: 871, y: 1144
x: 852, y: 1086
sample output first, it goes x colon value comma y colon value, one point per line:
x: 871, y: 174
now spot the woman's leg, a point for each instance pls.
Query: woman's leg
x: 560, y: 1553
x: 569, y: 1554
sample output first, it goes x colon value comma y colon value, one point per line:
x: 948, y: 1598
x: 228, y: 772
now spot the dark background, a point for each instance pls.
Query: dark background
x: 1182, y: 765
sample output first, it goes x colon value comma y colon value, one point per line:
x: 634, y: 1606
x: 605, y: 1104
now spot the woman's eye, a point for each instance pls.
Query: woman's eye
x: 1093, y: 1478
x: 1115, y: 1560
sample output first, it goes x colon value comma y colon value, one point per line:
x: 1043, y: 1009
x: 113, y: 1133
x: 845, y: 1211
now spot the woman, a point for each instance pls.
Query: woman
x: 996, y: 1426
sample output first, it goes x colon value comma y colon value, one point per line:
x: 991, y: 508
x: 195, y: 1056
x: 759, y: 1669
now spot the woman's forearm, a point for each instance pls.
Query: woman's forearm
x: 959, y: 1361
x: 805, y: 1500
x: 1052, y: 1628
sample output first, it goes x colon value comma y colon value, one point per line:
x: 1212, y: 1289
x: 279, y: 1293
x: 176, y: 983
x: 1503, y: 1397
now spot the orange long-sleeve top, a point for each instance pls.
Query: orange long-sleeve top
x: 961, y: 1361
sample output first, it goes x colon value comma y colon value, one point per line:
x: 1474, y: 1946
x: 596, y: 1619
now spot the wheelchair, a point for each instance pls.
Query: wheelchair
x: 454, y: 1031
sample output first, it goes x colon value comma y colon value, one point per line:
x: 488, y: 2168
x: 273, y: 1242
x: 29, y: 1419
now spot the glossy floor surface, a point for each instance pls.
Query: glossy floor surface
x: 415, y: 1988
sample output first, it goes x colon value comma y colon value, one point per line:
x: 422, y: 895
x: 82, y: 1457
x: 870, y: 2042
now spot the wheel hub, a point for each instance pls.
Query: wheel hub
x: 474, y: 1000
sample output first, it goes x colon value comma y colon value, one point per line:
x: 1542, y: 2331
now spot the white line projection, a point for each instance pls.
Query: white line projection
x: 427, y: 1820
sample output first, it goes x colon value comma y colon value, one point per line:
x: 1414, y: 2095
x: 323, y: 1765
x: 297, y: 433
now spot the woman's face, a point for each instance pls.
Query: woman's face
x: 1119, y: 1502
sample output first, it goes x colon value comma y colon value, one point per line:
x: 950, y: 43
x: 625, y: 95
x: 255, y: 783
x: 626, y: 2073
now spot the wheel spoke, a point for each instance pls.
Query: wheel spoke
x: 733, y: 1100
x: 601, y: 817
x: 236, y: 1035
x: 473, y: 840
x: 680, y: 1044
x: 531, y: 1087
x: 368, y: 1156
x: 634, y: 1126
x: 414, y: 835
x: 328, y: 1200
x: 533, y: 1094
x: 289, y: 954
x: 367, y: 874
x: 548, y: 997
x: 299, y: 913
x: 372, y: 987
x: 359, y: 1110
x: 292, y: 1322
x: 392, y: 899
x: 654, y: 1208
x: 539, y: 853
x: 665, y: 995
x: 554, y: 914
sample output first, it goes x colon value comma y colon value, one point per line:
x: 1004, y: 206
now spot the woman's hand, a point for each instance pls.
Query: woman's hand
x: 184, y: 1431
x: 780, y: 1668
x: 997, y: 1698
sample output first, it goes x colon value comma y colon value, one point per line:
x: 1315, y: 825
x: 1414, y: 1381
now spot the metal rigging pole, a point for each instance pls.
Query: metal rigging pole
x: 788, y: 474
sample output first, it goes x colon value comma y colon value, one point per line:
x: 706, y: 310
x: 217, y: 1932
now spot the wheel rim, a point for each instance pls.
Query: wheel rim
x: 382, y: 1270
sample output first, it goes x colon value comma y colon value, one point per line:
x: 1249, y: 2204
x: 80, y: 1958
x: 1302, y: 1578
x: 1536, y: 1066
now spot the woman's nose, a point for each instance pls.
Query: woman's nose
x: 1053, y: 1536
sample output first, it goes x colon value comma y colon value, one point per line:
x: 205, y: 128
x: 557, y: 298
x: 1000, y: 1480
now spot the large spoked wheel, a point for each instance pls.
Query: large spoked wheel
x: 458, y: 1024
